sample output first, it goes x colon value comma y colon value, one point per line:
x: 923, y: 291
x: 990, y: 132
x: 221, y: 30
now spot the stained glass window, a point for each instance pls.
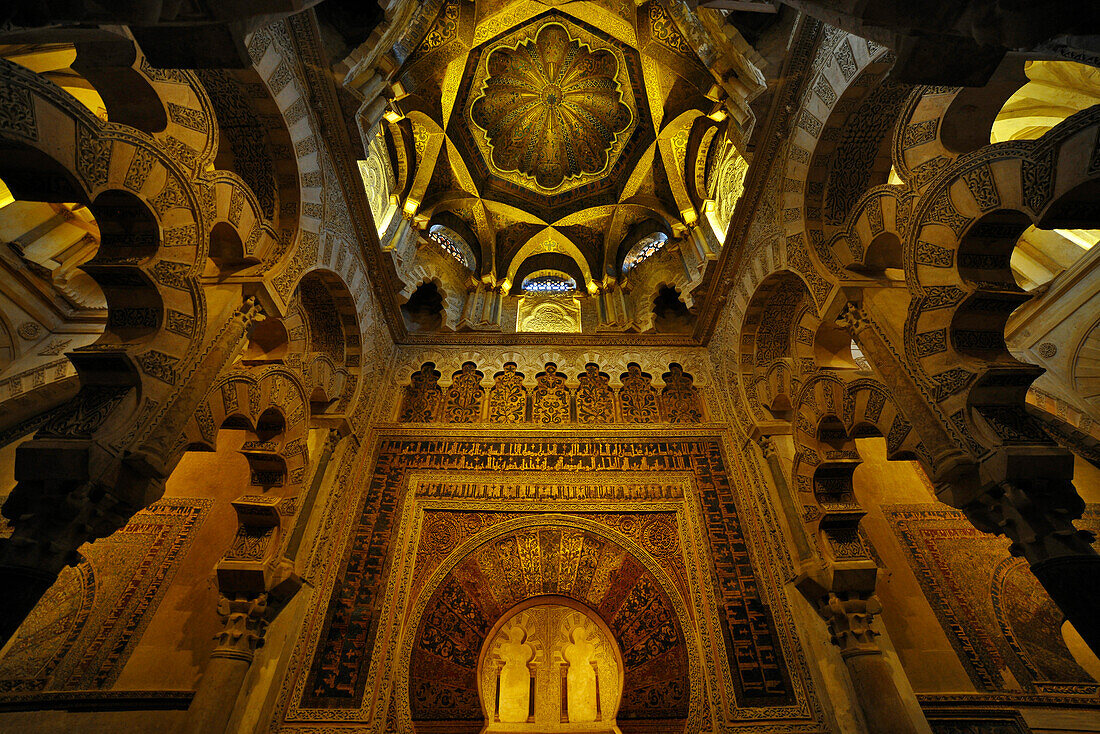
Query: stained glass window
x: 549, y: 282
x: 643, y: 249
x: 452, y: 243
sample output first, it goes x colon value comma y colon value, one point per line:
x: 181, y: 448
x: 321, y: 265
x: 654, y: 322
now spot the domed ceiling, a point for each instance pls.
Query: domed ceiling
x: 555, y: 110
x: 551, y: 109
x: 550, y: 133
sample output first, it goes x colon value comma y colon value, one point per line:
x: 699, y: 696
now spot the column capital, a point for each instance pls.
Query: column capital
x: 1037, y: 516
x: 853, y: 318
x: 250, y: 311
x: 245, y: 622
x: 848, y: 617
x: 767, y: 446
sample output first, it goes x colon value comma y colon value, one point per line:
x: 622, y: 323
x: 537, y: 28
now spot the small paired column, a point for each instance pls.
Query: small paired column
x: 254, y: 583
x: 482, y: 308
x: 615, y: 308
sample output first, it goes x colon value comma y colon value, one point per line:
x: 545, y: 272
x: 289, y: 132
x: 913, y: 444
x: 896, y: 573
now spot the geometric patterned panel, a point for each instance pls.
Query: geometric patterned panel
x: 81, y: 633
x: 1001, y: 622
x: 337, y: 677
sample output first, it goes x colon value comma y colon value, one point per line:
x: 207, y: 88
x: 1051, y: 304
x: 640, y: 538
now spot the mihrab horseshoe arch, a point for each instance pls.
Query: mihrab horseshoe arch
x: 689, y: 636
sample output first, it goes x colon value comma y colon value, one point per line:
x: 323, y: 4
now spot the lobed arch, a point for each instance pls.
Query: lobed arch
x: 550, y: 237
x: 832, y: 410
x: 861, y: 406
x: 226, y: 255
x: 425, y: 283
x: 919, y: 150
x: 158, y: 315
x: 99, y: 70
x: 272, y: 404
x: 958, y: 271
x: 569, y: 362
x: 840, y: 143
x: 670, y: 308
x: 968, y: 118
x: 774, y: 349
x: 129, y: 265
x: 252, y: 140
x: 579, y: 612
x: 324, y: 327
x: 870, y: 243
x: 148, y: 216
x: 233, y: 203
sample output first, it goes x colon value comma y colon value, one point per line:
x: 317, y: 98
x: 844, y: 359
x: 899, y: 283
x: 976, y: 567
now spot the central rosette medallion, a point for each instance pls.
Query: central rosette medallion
x: 551, y: 108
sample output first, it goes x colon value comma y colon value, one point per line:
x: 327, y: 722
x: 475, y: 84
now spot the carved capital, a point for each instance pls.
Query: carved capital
x: 253, y: 579
x: 52, y: 519
x: 245, y: 621
x: 768, y: 447
x: 852, y: 318
x: 1036, y: 515
x: 250, y: 312
x: 331, y: 440
x: 848, y: 618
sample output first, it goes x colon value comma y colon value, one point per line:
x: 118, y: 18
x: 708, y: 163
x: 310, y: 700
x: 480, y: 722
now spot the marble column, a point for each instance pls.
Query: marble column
x: 1023, y: 491
x: 254, y: 582
x: 73, y: 490
x: 843, y: 595
x: 849, y: 617
x: 804, y: 552
x: 245, y: 620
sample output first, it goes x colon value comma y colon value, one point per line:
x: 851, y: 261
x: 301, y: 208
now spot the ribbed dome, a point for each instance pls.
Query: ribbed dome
x: 551, y: 107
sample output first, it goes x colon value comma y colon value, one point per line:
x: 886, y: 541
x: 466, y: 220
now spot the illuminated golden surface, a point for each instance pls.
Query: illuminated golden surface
x: 554, y: 109
x: 549, y: 314
x: 515, y: 678
x: 565, y: 657
x: 1056, y: 90
x: 581, y: 678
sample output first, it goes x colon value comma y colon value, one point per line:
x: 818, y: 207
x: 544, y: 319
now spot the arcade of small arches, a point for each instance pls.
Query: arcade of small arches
x: 537, y: 366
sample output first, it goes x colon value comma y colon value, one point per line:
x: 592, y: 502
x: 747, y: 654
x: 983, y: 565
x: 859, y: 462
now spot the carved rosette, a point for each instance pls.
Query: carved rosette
x: 551, y: 107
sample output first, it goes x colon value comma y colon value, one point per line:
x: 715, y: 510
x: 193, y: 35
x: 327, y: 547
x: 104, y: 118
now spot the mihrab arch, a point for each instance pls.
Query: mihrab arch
x: 574, y: 558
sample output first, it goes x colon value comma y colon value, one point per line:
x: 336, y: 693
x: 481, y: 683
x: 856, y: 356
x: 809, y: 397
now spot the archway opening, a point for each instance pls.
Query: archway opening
x: 883, y: 258
x: 1054, y: 91
x: 670, y: 313
x: 550, y: 664
x: 226, y: 255
x: 98, y: 74
x: 424, y: 309
x: 268, y: 343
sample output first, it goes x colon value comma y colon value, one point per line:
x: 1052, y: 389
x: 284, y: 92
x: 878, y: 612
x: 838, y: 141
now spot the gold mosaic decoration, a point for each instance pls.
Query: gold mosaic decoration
x: 555, y: 109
